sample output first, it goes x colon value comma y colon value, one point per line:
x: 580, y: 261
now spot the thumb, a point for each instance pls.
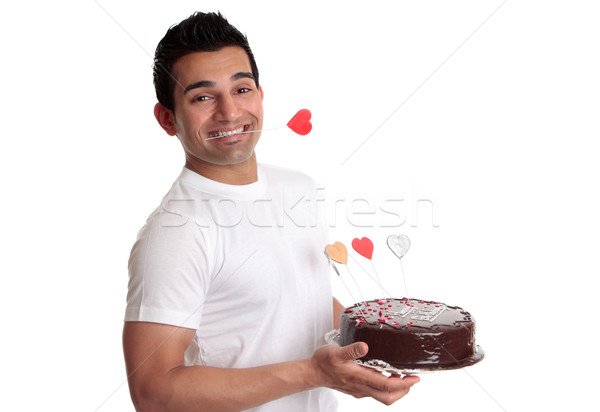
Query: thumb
x: 354, y: 351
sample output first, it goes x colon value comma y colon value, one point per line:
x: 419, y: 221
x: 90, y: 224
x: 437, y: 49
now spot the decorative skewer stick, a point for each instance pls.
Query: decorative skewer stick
x: 337, y: 254
x: 300, y: 124
x: 365, y: 248
x: 399, y: 245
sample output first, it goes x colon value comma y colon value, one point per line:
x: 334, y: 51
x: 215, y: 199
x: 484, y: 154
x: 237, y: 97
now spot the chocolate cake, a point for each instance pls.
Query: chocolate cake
x: 412, y: 333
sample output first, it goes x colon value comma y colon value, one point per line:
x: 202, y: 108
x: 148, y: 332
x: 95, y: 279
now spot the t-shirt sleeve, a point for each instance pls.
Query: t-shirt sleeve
x: 169, y: 272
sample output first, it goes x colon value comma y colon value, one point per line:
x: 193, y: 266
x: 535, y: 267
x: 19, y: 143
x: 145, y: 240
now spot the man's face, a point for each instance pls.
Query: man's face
x: 216, y: 95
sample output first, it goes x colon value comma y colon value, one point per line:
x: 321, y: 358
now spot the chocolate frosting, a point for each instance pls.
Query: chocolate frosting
x: 411, y: 333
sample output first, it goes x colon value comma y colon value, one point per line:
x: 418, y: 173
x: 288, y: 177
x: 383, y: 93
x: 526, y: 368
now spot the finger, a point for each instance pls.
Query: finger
x: 378, y: 382
x: 395, y: 383
x: 411, y: 379
x: 389, y: 393
x: 383, y: 396
x: 354, y: 351
x: 388, y: 398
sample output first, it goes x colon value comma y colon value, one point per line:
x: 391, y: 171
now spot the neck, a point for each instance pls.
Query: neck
x: 238, y: 174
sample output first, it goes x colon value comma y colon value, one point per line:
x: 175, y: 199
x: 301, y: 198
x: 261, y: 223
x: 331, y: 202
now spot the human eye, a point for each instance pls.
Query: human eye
x: 243, y: 90
x: 200, y: 98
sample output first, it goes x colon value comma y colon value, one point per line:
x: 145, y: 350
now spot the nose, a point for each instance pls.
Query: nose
x: 226, y: 109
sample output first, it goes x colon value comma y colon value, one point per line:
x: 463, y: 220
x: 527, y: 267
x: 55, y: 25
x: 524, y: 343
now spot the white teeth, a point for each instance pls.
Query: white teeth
x: 224, y: 134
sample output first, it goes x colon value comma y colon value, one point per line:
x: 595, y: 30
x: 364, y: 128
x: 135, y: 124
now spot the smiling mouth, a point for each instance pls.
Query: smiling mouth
x: 217, y: 134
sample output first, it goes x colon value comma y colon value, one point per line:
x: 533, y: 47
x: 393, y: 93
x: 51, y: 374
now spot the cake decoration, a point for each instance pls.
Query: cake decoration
x: 363, y: 246
x: 412, y: 334
x: 404, y: 335
x: 398, y: 244
x: 337, y: 252
x: 299, y: 124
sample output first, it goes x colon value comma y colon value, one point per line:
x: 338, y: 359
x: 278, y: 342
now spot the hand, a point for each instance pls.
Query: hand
x: 337, y: 371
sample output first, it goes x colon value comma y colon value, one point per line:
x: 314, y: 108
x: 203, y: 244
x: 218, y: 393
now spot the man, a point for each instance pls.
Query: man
x: 229, y: 296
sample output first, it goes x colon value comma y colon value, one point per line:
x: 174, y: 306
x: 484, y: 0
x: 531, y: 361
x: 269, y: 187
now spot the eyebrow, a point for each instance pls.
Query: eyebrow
x: 210, y: 83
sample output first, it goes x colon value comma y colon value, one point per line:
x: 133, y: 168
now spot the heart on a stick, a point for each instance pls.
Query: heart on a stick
x: 300, y: 123
x: 398, y: 244
x: 363, y: 246
x: 337, y: 252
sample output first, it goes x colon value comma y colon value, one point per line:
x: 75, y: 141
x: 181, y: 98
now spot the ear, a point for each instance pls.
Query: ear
x: 262, y: 94
x: 165, y: 118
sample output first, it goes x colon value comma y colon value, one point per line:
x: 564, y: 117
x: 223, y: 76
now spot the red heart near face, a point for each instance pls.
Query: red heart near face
x: 300, y: 123
x: 363, y: 246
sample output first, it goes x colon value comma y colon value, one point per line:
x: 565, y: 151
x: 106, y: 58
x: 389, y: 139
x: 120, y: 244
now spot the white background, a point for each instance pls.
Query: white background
x: 491, y: 126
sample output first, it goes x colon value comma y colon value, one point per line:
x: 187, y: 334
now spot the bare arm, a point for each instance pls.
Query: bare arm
x: 337, y: 311
x: 159, y: 381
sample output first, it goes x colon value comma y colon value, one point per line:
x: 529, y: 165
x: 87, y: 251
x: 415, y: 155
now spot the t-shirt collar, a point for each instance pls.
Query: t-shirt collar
x: 219, y: 189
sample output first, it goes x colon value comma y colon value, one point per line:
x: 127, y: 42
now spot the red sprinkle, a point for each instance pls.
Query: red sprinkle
x: 410, y: 323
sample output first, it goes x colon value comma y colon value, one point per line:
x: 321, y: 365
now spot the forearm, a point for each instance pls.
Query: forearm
x: 200, y: 388
x: 337, y: 311
x: 159, y: 382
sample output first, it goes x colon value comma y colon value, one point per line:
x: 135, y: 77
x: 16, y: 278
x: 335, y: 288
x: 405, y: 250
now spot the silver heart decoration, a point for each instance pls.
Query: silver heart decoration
x: 398, y: 244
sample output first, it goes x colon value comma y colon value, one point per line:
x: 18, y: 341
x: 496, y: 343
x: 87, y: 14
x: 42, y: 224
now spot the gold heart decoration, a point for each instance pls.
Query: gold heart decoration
x: 337, y: 252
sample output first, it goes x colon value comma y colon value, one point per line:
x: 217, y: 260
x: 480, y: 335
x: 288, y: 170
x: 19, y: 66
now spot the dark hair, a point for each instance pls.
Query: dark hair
x: 201, y: 32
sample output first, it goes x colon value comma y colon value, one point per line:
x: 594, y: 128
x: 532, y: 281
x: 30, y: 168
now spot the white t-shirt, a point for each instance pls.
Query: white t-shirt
x: 244, y: 267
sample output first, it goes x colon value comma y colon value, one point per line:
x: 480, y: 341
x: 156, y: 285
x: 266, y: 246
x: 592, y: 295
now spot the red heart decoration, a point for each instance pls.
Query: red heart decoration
x: 300, y: 123
x: 363, y: 246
